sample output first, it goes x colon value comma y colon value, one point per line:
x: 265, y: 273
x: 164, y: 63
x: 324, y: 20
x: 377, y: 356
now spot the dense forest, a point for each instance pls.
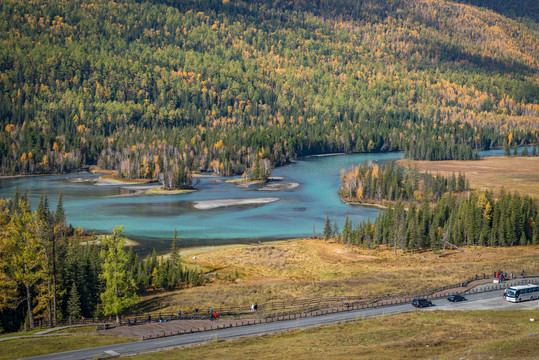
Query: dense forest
x: 48, y: 272
x: 158, y: 89
x: 436, y: 215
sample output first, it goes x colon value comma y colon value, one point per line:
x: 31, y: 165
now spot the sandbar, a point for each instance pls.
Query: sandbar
x: 279, y: 186
x: 219, y: 203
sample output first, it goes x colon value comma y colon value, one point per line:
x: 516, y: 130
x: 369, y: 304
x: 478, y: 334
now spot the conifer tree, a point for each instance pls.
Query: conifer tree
x: 73, y: 304
x: 119, y: 292
x: 327, y: 229
x: 346, y: 231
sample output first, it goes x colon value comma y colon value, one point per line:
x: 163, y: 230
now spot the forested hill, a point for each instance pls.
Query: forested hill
x: 157, y: 89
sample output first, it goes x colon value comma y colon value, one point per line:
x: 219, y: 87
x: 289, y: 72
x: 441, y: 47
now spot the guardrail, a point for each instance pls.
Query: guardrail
x: 308, y: 305
x: 350, y: 307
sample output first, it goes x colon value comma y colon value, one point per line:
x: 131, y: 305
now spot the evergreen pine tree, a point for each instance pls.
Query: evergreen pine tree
x: 174, y: 253
x: 336, y: 233
x: 73, y: 304
x: 327, y: 229
x: 346, y: 230
x: 119, y: 292
x: 60, y: 216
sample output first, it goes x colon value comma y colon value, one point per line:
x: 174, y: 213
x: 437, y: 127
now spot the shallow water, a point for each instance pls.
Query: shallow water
x: 153, y: 218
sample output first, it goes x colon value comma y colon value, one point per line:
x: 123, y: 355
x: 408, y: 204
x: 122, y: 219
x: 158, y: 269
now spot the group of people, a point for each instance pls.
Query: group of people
x: 212, y: 315
x: 499, y: 275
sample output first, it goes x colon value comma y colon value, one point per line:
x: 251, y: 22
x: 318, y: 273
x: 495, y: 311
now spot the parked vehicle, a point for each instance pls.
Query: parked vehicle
x: 456, y: 297
x: 522, y: 292
x: 421, y: 302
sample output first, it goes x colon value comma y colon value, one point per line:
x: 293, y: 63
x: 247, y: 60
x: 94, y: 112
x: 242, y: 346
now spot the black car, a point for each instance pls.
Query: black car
x: 421, y: 303
x: 456, y: 297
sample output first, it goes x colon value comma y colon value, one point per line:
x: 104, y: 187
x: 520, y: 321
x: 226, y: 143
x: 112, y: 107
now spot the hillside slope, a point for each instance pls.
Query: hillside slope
x: 162, y: 88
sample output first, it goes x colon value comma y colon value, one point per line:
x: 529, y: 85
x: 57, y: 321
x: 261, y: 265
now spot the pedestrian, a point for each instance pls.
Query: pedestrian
x: 476, y: 277
x: 128, y: 322
x: 135, y: 320
x: 83, y: 319
x: 149, y: 318
x: 215, y: 315
x: 511, y: 275
x: 252, y: 307
x: 179, y: 314
x: 484, y: 276
x: 196, y: 311
x: 256, y: 307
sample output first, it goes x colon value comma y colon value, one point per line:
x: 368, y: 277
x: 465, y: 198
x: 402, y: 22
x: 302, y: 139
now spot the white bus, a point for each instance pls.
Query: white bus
x: 522, y: 293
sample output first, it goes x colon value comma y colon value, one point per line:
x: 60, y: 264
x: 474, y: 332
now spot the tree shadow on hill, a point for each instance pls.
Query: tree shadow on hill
x: 514, y: 9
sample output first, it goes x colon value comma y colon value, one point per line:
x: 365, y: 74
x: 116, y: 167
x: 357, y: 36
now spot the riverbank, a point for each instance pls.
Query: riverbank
x: 379, y: 205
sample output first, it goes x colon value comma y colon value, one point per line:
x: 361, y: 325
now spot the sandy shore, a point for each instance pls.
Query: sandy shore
x: 279, y: 186
x: 219, y: 203
x: 326, y: 155
x: 161, y: 191
x: 112, y: 180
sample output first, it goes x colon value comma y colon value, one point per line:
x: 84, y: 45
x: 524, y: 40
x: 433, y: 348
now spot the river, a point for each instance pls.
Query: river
x: 218, y: 213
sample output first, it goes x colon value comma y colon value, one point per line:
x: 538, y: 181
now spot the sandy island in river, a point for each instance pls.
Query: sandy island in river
x: 218, y: 203
x: 278, y: 186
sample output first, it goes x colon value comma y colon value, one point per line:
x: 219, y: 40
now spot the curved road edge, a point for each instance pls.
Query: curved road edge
x: 492, y: 300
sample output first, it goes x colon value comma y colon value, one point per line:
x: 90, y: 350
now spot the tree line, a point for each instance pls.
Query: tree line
x: 450, y: 220
x: 49, y: 271
x: 390, y: 182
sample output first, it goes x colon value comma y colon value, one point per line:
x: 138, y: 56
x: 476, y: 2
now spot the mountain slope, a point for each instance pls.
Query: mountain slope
x: 164, y: 87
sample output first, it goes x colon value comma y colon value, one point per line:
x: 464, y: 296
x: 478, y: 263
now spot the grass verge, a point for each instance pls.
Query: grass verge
x: 21, y: 348
x: 76, y: 330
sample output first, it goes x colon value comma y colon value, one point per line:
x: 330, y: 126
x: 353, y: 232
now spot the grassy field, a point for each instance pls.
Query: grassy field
x: 314, y: 268
x: 513, y: 173
x: 76, y: 330
x: 418, y: 335
x: 20, y: 333
x: 16, y: 349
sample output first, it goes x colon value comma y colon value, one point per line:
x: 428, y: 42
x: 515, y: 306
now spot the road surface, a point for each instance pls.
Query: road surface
x: 492, y: 300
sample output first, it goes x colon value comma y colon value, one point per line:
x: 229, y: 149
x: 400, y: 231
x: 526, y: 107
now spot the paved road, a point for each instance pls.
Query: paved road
x: 481, y: 301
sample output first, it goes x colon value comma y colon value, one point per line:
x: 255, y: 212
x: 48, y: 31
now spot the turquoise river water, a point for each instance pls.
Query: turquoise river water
x: 218, y: 212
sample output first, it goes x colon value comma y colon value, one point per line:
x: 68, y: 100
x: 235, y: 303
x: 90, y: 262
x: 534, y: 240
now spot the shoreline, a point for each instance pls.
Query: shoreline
x: 373, y: 204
